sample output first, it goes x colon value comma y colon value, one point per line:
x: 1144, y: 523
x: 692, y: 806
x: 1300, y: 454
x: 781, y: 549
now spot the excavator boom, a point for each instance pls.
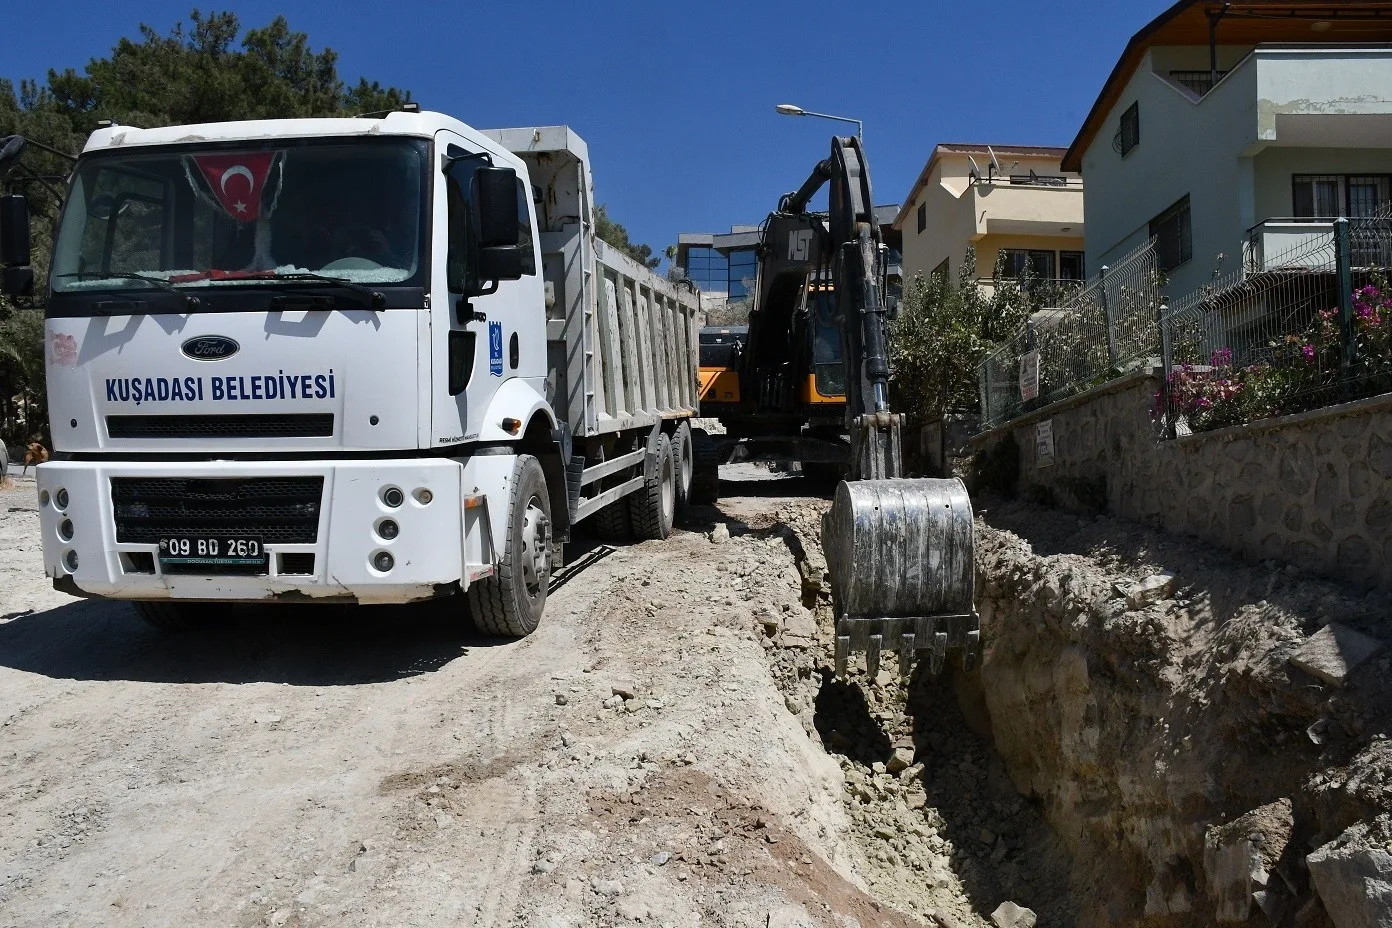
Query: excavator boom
x: 899, y: 550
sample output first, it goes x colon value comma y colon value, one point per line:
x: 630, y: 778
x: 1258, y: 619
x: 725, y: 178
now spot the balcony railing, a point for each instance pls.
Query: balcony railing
x: 1308, y: 244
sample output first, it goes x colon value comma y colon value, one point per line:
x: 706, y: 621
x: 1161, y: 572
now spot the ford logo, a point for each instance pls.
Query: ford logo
x: 210, y: 347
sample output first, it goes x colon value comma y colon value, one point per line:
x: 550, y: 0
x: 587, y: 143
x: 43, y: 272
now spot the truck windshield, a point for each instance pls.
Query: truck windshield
x: 192, y: 217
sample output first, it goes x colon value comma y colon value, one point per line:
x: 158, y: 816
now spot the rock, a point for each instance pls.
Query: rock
x: 611, y: 888
x: 901, y: 759
x: 720, y: 534
x: 624, y: 689
x: 1238, y: 855
x: 635, y: 910
x: 660, y: 859
x: 613, y: 702
x: 1353, y: 875
x: 1010, y: 915
x: 654, y: 704
x: 1333, y: 652
x: 562, y: 699
x: 999, y: 853
x: 987, y: 836
x: 543, y: 866
x: 1150, y: 590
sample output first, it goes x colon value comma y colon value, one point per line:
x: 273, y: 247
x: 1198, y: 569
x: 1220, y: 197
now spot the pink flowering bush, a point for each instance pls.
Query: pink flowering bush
x: 1307, y: 374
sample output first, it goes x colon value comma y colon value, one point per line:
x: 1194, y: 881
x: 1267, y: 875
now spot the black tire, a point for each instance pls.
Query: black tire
x: 681, y: 448
x: 705, y: 469
x: 511, y: 601
x: 167, y: 616
x: 652, y: 508
x: 611, y: 523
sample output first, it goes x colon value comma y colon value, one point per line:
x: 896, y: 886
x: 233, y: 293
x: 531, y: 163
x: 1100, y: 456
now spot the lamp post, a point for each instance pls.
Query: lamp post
x: 788, y: 109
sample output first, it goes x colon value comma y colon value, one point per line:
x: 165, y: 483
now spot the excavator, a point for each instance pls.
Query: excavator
x: 899, y: 550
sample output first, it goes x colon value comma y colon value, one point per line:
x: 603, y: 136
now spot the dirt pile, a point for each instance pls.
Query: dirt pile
x: 1205, y: 735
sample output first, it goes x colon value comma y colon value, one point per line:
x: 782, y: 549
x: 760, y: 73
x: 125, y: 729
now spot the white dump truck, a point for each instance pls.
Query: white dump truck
x: 366, y: 360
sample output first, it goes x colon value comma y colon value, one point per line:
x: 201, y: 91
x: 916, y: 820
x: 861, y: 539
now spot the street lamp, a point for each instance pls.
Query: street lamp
x: 788, y: 109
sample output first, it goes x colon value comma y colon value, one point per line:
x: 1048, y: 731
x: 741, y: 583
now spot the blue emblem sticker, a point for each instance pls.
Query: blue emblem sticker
x: 495, y: 349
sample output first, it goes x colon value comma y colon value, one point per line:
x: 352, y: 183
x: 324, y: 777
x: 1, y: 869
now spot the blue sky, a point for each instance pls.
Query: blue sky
x: 677, y: 100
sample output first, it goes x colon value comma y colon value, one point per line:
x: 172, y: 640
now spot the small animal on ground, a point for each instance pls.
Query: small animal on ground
x: 35, y: 454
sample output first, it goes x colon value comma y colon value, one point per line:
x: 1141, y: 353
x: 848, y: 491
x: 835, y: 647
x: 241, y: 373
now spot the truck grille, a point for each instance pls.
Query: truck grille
x: 292, y: 425
x: 278, y: 510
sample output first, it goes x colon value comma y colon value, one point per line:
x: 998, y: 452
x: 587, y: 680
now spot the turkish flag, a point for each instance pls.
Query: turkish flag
x: 237, y: 180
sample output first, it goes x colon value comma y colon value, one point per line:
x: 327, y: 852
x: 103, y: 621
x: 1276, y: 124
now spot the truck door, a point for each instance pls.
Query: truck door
x: 479, y: 341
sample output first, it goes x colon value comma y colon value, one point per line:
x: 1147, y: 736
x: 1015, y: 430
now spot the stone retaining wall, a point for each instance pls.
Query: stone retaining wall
x: 1313, y: 489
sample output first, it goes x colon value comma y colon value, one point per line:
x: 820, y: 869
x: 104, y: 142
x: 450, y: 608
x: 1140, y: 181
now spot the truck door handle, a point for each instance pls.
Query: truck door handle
x: 465, y: 313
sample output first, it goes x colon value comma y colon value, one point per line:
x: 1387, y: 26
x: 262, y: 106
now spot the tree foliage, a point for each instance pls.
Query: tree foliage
x: 206, y: 71
x: 615, y: 234
x: 944, y: 330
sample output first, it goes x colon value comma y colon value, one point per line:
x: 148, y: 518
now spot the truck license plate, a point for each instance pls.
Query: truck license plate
x: 202, y: 554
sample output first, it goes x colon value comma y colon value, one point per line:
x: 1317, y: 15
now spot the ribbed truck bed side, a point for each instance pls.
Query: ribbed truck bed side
x: 621, y: 339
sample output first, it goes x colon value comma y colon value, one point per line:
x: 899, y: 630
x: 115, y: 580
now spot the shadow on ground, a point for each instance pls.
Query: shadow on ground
x: 310, y: 645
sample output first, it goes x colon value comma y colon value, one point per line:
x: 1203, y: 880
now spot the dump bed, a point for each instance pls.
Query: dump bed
x: 621, y: 339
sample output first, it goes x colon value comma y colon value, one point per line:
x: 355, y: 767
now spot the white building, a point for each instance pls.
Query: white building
x: 1223, y: 125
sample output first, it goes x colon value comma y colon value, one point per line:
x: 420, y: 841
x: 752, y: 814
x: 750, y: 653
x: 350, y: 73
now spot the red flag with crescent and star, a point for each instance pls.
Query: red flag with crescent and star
x: 237, y: 180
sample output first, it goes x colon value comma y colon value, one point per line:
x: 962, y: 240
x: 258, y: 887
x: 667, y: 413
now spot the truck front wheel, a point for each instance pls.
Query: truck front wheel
x: 511, y: 601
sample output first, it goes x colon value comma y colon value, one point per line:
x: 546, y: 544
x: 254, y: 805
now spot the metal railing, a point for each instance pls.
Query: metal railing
x: 1293, y: 330
x: 1102, y: 329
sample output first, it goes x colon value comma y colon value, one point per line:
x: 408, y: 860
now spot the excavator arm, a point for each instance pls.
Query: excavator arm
x: 899, y: 550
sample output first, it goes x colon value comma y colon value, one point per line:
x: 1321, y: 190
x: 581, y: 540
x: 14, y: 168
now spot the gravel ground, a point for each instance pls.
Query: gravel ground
x: 631, y: 762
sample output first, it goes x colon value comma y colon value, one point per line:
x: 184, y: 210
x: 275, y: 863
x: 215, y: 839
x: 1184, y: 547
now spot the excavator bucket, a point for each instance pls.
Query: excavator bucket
x: 899, y: 552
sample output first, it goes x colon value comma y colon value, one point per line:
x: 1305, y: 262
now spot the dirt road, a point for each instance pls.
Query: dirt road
x: 633, y: 761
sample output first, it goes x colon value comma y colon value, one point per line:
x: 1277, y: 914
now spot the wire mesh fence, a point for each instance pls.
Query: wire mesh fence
x: 1306, y: 323
x: 1095, y: 333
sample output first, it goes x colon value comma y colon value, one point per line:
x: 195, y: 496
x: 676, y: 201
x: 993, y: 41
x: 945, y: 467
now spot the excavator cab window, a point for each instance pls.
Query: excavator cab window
x: 827, y: 369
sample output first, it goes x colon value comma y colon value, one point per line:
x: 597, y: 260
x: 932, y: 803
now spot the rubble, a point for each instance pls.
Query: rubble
x: 1333, y: 652
x: 1353, y: 875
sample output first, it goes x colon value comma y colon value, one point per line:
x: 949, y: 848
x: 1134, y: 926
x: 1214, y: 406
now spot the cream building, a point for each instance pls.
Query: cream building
x: 1008, y: 201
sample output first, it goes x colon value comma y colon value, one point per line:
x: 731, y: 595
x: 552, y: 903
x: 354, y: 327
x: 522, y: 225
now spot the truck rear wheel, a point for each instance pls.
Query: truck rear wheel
x: 651, y: 508
x: 681, y: 448
x: 511, y: 601
x: 611, y: 523
x: 705, y: 469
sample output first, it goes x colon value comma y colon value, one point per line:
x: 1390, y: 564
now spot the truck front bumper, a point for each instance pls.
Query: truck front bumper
x: 340, y: 561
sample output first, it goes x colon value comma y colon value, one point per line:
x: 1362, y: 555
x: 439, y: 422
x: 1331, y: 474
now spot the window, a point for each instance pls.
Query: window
x: 197, y: 217
x: 1173, y: 236
x: 1129, y: 135
x: 922, y: 217
x: 1317, y: 196
x: 1200, y: 82
x: 941, y: 272
x: 1367, y: 196
x: 1326, y: 196
x: 524, y: 229
x: 707, y: 268
x: 744, y: 269
x: 1071, y: 266
x: 1021, y: 262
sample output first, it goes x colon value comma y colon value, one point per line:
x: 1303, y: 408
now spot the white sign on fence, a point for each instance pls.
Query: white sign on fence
x: 1044, y: 443
x: 1029, y: 375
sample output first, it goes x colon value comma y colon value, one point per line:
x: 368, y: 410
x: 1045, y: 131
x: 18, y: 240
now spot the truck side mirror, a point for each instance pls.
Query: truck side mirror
x: 499, y: 224
x: 16, y: 272
x: 496, y: 200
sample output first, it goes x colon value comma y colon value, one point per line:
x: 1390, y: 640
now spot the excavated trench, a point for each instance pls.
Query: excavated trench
x: 937, y: 828
x: 1160, y: 759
